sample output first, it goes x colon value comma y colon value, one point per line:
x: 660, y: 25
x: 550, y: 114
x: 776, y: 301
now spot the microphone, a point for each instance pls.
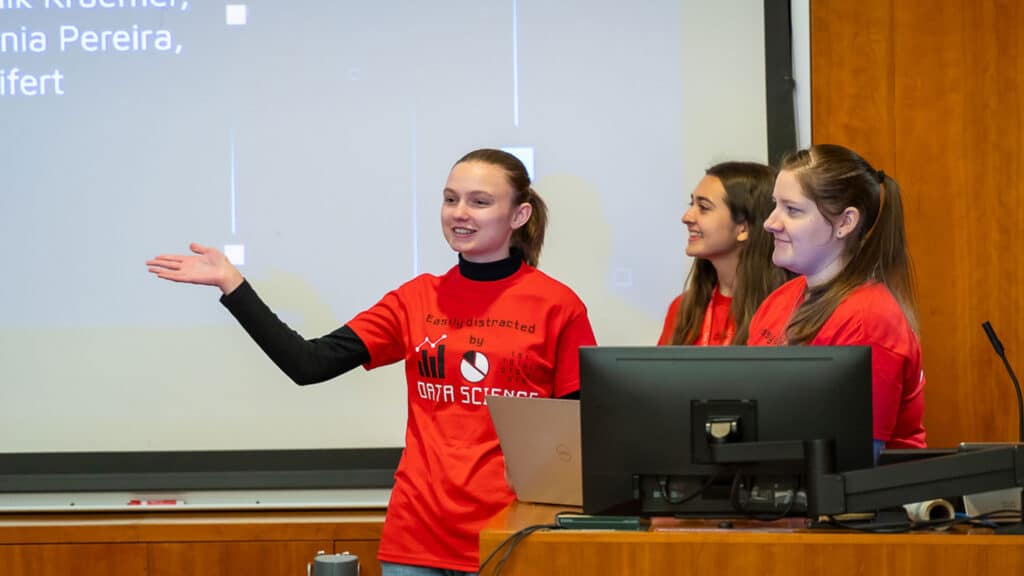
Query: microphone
x: 998, y: 346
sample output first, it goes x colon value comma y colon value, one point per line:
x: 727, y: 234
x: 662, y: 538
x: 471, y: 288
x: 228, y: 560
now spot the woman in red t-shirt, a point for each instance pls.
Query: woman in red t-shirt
x: 732, y: 270
x: 838, y: 223
x: 492, y: 325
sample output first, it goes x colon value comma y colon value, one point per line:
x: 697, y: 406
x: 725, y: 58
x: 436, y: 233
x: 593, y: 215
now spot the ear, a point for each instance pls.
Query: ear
x: 521, y: 215
x: 847, y: 222
x: 744, y: 232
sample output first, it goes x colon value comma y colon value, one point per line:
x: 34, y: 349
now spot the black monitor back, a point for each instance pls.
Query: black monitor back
x: 637, y: 407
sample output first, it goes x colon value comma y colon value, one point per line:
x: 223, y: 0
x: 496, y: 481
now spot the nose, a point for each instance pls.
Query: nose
x: 459, y: 210
x: 689, y: 216
x: 771, y: 223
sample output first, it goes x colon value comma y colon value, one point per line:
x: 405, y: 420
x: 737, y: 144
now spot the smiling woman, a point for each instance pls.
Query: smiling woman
x: 489, y: 206
x: 838, y: 223
x: 451, y: 479
x: 732, y: 271
x: 481, y: 210
x: 806, y: 242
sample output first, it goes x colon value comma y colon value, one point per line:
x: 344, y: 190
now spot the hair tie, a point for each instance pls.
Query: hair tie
x: 880, y: 174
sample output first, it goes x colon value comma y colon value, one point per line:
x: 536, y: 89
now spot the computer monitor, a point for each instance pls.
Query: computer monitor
x: 650, y: 417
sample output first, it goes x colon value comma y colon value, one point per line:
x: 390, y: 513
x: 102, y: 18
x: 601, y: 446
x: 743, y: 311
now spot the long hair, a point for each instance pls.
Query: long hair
x: 748, y: 194
x: 529, y: 238
x: 836, y: 178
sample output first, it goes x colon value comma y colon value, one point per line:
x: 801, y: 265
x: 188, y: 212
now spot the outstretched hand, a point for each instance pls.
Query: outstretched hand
x: 208, y: 267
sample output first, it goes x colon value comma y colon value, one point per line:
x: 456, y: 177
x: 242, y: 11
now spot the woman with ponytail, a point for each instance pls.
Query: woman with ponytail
x: 732, y: 257
x: 838, y: 223
x: 519, y: 329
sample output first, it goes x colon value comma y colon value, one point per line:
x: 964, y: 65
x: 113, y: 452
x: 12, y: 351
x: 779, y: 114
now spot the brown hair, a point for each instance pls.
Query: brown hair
x: 748, y: 194
x: 529, y: 238
x: 836, y: 178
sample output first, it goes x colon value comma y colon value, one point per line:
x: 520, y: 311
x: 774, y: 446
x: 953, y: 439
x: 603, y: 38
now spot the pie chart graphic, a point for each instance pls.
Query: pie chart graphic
x: 474, y: 366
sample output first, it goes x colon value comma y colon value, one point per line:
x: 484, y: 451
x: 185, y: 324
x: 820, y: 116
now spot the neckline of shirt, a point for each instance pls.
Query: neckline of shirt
x: 491, y: 271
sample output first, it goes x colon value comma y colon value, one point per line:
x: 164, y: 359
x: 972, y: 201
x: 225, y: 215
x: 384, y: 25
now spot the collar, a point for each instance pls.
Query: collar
x: 490, y: 271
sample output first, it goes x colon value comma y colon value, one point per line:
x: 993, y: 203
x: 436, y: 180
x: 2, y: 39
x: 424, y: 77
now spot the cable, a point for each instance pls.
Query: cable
x: 510, y: 543
x: 984, y: 520
x: 663, y: 482
x: 780, y: 515
x: 734, y: 499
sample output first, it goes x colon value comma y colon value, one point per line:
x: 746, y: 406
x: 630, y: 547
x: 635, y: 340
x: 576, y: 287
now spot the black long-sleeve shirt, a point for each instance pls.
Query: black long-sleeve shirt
x: 319, y: 359
x: 304, y: 361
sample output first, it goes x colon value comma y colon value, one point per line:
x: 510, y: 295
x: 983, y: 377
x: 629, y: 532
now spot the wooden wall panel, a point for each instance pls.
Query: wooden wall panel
x: 230, y: 558
x: 182, y: 542
x: 930, y: 100
x: 994, y: 197
x: 846, y: 90
x: 77, y: 559
x: 952, y: 131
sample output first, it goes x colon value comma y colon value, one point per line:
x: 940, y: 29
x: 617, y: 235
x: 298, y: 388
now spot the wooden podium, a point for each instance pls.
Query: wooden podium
x: 779, y: 548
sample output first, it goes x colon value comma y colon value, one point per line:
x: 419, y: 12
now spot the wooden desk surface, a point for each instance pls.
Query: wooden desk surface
x: 700, y: 547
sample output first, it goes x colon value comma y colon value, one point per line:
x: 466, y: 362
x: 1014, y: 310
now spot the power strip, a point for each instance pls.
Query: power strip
x: 587, y: 522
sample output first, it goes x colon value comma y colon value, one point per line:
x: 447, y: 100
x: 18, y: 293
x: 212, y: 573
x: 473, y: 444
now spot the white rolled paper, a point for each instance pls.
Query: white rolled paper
x: 930, y: 510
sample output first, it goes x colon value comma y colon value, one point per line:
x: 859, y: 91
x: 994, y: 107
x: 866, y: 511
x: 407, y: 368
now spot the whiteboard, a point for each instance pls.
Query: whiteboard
x: 316, y: 135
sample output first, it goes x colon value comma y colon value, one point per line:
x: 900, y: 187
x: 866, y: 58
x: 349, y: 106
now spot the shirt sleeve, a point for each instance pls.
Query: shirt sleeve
x: 381, y: 328
x: 304, y: 361
x: 577, y: 332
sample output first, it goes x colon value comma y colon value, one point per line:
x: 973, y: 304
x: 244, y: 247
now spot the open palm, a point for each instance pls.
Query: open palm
x: 208, y: 266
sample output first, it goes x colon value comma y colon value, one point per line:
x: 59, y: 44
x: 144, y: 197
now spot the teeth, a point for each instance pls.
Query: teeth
x: 462, y: 230
x: 695, y: 234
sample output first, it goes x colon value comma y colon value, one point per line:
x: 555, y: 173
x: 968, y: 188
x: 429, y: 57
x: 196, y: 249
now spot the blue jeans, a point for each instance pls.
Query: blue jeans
x: 391, y: 569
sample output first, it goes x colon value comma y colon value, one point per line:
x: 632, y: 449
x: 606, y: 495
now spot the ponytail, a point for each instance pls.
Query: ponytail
x: 529, y: 238
x: 886, y: 241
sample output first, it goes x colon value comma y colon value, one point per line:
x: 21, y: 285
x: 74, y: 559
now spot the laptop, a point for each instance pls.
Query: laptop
x: 541, y: 441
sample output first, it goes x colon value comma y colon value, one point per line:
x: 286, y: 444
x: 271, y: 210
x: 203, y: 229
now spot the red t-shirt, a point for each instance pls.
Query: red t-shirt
x: 462, y: 340
x: 718, y: 331
x: 869, y: 316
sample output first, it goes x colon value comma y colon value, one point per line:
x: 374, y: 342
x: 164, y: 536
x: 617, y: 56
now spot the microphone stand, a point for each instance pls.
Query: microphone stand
x: 998, y: 347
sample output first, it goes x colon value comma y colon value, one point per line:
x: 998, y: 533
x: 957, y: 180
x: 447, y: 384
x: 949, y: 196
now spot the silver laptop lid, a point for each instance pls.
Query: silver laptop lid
x: 540, y: 438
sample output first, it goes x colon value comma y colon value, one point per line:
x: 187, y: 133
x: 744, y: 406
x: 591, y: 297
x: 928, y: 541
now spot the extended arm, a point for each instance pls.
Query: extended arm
x: 304, y: 361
